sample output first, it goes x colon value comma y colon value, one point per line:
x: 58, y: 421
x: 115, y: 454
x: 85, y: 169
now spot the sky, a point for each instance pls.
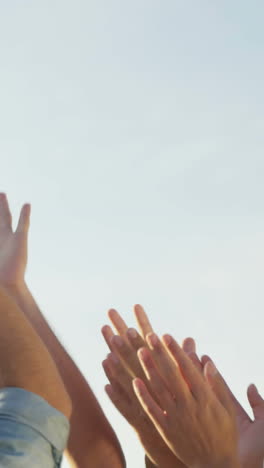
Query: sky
x: 135, y: 129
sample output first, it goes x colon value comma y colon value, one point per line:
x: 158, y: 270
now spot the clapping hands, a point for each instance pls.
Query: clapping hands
x: 188, y: 407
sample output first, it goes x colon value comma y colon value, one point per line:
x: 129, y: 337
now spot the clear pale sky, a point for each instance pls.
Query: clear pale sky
x: 135, y: 129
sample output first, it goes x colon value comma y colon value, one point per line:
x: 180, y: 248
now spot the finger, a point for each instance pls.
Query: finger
x: 256, y: 401
x: 117, y: 374
x: 149, y: 405
x: 196, y: 362
x: 135, y: 339
x: 5, y: 214
x: 205, y: 359
x: 122, y: 403
x: 191, y: 375
x: 24, y: 219
x: 167, y: 367
x: 155, y: 381
x: 116, y: 319
x: 142, y: 320
x: 122, y: 394
x: 108, y: 334
x: 217, y: 384
x: 188, y: 345
x: 241, y: 414
x: 108, y: 369
x: 127, y: 355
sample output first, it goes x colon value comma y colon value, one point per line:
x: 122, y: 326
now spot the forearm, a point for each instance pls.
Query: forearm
x: 24, y: 360
x: 92, y: 441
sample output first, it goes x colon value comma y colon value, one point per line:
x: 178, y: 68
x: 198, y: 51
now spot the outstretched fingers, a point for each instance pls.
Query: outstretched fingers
x: 189, y: 371
x: 156, y: 383
x: 135, y: 339
x: 219, y: 387
x: 167, y: 367
x: 241, y: 414
x: 144, y: 324
x: 120, y: 387
x: 152, y: 409
x: 127, y: 355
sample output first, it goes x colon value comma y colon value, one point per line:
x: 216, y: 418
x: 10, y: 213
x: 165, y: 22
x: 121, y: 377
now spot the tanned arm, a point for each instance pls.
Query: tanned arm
x: 92, y: 441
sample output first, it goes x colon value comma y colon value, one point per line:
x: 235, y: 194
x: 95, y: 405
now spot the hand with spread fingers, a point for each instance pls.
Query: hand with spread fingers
x: 121, y: 393
x: 13, y: 244
x: 251, y: 432
x: 121, y: 366
x: 197, y: 423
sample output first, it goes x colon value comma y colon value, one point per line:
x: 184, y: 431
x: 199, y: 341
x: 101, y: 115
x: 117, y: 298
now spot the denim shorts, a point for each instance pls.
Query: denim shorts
x: 32, y: 433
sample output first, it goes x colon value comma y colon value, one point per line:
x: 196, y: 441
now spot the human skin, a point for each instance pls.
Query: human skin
x: 25, y: 361
x: 121, y: 366
x: 197, y: 425
x: 251, y: 448
x: 92, y: 440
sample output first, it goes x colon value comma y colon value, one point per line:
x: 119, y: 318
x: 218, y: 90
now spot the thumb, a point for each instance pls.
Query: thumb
x: 218, y: 385
x: 256, y: 401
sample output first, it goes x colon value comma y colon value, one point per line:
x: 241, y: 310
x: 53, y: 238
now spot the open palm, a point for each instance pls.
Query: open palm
x: 13, y: 244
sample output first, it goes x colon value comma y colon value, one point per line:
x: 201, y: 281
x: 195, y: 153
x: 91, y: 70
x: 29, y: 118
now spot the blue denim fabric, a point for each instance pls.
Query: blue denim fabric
x: 32, y: 433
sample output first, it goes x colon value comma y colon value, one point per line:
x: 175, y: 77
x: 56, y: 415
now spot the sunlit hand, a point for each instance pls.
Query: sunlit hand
x: 13, y: 244
x: 251, y: 432
x: 198, y: 424
x: 122, y: 395
x: 121, y: 366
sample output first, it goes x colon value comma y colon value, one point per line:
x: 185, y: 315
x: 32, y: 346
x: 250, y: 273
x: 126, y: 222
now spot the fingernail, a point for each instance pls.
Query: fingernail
x: 253, y: 387
x: 212, y: 370
x: 114, y: 358
x: 118, y: 341
x: 189, y: 346
x: 167, y: 339
x: 132, y: 333
x: 153, y: 339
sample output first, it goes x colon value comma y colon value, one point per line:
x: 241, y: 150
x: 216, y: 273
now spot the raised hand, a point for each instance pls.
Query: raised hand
x: 121, y: 366
x: 251, y: 432
x: 122, y: 395
x: 251, y: 448
x: 198, y: 424
x: 13, y: 244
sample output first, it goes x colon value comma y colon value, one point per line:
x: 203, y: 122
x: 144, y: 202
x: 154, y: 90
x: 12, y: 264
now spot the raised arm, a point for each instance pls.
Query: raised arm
x: 33, y: 399
x: 92, y: 440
